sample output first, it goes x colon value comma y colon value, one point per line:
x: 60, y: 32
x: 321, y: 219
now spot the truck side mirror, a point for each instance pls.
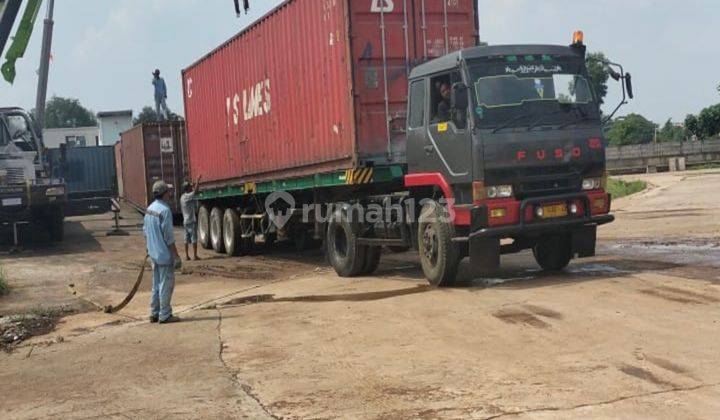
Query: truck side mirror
x: 628, y: 84
x: 459, y: 96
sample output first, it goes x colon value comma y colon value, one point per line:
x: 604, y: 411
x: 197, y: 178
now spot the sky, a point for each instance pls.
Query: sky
x: 104, y: 51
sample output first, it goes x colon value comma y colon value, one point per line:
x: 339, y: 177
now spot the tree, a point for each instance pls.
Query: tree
x: 148, y: 115
x: 672, y: 133
x: 599, y: 74
x: 709, y: 122
x: 67, y: 113
x: 632, y: 129
x: 691, y: 125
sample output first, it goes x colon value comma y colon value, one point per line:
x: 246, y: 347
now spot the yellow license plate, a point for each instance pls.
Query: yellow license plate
x: 555, y: 210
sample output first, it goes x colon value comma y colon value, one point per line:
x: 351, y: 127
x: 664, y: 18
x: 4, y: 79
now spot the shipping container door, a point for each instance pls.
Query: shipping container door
x: 382, y: 45
x: 444, y: 26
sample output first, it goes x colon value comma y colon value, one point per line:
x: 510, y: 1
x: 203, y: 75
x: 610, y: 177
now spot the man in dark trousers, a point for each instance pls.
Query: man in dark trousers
x: 189, y: 207
x: 158, y: 229
x: 161, y: 108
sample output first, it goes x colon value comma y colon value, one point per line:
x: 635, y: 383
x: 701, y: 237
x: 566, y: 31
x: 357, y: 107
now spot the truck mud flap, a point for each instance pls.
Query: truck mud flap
x: 484, y: 254
x: 583, y: 241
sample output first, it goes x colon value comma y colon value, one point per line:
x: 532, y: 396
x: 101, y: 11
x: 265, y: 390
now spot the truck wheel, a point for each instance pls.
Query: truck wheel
x: 439, y: 255
x: 216, y: 230
x: 232, y: 236
x: 343, y: 251
x: 372, y: 260
x: 204, y: 227
x: 56, y: 225
x: 553, y: 253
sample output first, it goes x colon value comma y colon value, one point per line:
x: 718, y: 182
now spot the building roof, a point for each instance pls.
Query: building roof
x: 109, y: 114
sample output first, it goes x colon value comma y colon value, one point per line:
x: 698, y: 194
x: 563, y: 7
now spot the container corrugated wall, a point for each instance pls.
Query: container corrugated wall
x: 151, y: 152
x: 88, y: 171
x: 315, y: 86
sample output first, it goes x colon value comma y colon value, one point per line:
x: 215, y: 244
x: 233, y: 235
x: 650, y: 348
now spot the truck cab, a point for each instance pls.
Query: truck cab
x: 29, y: 196
x: 512, y: 137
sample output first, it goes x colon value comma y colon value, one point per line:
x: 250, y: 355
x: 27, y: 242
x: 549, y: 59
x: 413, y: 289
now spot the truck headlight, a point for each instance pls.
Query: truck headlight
x: 500, y: 191
x: 55, y: 191
x: 592, y: 184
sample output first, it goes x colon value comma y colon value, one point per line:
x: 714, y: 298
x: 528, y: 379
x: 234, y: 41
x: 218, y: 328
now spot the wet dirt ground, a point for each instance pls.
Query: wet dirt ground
x: 630, y: 333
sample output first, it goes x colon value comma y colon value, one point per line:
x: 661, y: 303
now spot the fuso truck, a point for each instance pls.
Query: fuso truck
x: 370, y: 124
x: 30, y: 199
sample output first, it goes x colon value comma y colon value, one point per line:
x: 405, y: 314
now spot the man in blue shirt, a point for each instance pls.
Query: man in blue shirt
x: 158, y: 229
x: 161, y: 108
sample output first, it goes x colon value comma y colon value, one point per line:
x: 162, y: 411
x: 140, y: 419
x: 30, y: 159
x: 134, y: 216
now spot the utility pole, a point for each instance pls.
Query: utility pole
x: 44, y: 65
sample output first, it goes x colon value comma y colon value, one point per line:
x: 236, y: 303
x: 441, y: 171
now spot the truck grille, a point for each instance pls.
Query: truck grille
x: 15, y: 176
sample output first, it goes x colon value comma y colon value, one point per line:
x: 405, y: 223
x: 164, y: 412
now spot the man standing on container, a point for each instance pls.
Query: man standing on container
x: 161, y: 108
x: 188, y: 204
x: 158, y: 229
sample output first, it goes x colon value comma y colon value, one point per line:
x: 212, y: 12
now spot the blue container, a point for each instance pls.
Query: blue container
x: 89, y: 174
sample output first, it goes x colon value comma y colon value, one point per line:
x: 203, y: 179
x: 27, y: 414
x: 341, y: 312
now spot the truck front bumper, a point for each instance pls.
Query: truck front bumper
x: 19, y: 202
x: 538, y: 228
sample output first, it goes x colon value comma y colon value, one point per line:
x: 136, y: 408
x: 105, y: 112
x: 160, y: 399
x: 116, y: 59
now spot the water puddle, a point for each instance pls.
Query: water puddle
x: 686, y: 252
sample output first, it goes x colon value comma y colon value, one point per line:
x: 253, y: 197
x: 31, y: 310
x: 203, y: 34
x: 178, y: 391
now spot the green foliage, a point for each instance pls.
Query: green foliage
x: 672, y: 133
x: 67, y: 113
x: 633, y: 129
x: 598, y: 74
x: 691, y: 124
x: 706, y: 124
x: 709, y: 122
x: 619, y: 188
x: 148, y: 115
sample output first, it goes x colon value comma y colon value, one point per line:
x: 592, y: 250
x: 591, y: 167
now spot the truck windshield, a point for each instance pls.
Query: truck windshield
x: 556, y: 90
x: 511, y: 90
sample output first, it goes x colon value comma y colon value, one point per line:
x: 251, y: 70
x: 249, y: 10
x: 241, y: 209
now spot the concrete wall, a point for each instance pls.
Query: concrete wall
x: 54, y: 137
x: 111, y: 127
x: 652, y: 157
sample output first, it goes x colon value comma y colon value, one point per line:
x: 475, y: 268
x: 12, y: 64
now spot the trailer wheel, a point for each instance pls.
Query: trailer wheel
x: 216, y: 230
x: 232, y: 237
x: 204, y: 227
x: 345, y: 255
x: 553, y: 253
x: 372, y: 260
x: 439, y: 255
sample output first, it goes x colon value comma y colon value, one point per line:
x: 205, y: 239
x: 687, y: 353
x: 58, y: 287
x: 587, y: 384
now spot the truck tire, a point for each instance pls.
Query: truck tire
x: 372, y: 260
x: 204, y: 227
x: 345, y: 255
x: 56, y: 225
x: 439, y: 255
x: 216, y: 230
x: 232, y: 237
x: 553, y: 253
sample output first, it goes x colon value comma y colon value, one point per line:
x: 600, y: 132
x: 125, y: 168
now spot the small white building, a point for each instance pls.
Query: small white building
x: 112, y: 124
x: 72, y: 137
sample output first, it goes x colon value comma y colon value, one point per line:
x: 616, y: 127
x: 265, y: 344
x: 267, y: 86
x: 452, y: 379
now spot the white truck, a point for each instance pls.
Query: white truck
x: 30, y: 199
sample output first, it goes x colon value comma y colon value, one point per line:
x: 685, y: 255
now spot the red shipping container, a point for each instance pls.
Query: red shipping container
x: 151, y: 152
x: 315, y: 86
